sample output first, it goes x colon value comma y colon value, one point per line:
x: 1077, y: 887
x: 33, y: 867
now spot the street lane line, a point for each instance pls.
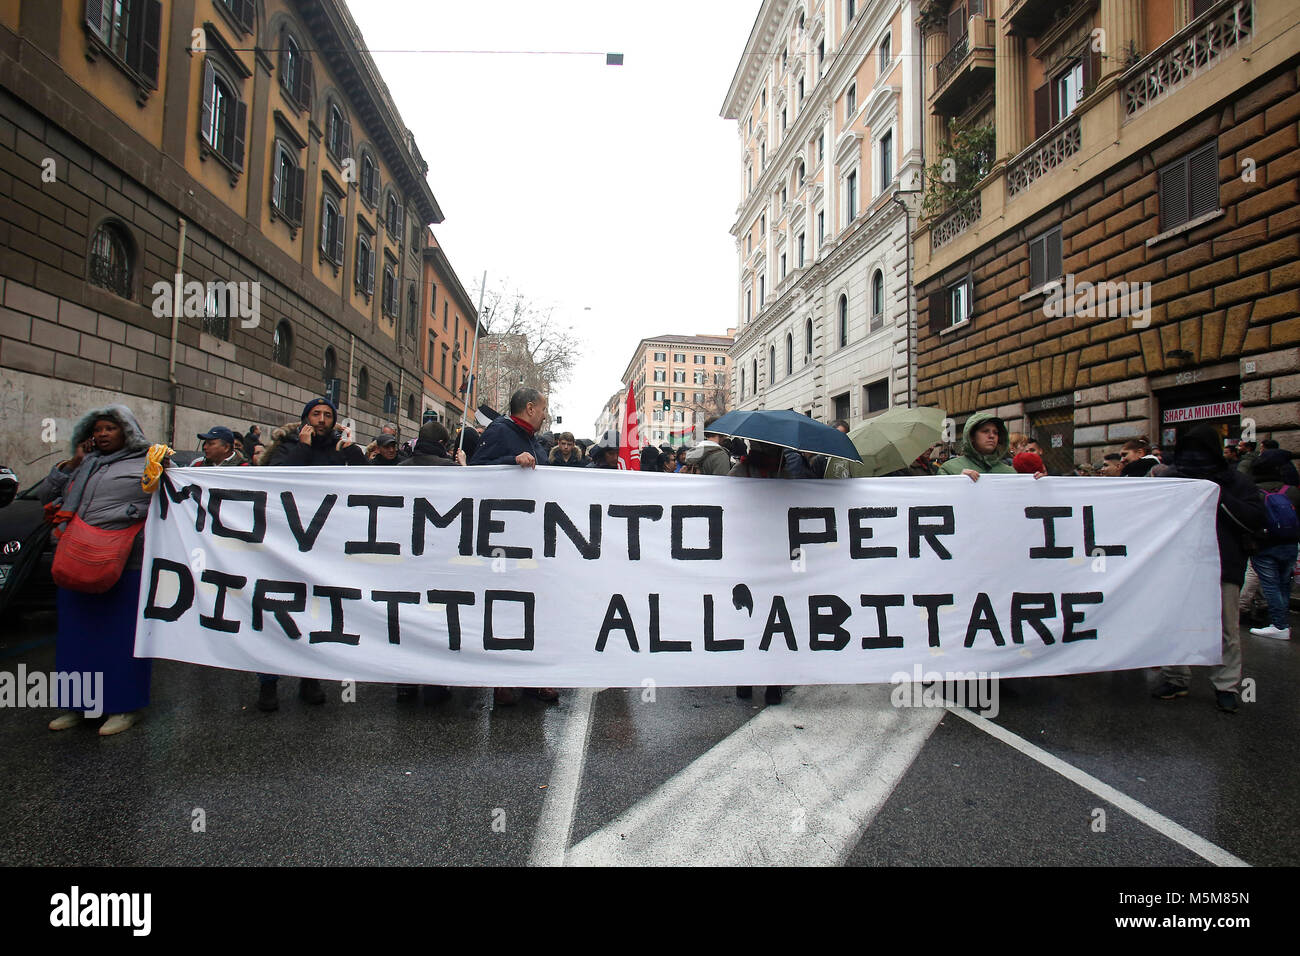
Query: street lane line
x: 773, y: 793
x: 1139, y: 811
x: 556, y: 821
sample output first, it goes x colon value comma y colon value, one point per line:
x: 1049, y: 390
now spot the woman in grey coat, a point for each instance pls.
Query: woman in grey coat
x: 100, y: 484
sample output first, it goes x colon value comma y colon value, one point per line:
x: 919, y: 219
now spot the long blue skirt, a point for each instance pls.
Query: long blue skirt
x: 97, y: 635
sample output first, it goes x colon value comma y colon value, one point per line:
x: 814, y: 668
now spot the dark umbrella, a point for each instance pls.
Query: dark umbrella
x: 789, y: 429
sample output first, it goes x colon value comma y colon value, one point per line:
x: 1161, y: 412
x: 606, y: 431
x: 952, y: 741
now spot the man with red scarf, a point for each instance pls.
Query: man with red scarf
x: 512, y: 439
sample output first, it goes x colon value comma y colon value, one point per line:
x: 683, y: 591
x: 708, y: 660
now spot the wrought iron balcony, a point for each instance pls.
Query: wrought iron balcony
x: 966, y: 68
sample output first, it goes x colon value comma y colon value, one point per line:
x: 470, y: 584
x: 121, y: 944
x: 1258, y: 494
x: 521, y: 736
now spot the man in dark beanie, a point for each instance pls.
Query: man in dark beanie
x: 1240, y: 514
x: 431, y: 448
x: 317, y: 443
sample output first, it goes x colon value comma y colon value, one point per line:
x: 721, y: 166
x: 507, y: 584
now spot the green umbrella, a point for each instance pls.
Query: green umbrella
x: 890, y: 441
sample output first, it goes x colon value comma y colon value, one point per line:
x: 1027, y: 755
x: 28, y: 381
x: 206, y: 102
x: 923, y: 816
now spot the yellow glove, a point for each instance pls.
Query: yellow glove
x: 153, y: 468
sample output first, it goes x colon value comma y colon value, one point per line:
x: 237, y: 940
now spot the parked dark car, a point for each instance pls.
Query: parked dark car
x: 26, y: 554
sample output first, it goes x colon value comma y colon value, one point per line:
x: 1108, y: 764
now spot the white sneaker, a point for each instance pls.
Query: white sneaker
x: 66, y: 721
x: 1281, y: 633
x: 116, y: 724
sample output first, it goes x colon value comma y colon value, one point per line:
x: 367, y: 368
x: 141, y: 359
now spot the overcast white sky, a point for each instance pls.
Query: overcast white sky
x: 590, y: 187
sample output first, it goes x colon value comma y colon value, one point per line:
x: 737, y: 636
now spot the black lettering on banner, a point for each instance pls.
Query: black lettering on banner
x: 371, y: 545
x: 797, y: 537
x: 634, y: 515
x: 881, y: 601
x: 527, y: 599
x: 553, y: 516
x: 453, y: 600
x: 917, y: 529
x: 224, y: 582
x: 742, y: 599
x: 488, y: 526
x: 1032, y: 609
x: 184, y: 591
x: 617, y: 618
x: 395, y: 599
x: 1072, y: 617
x: 859, y: 532
x: 826, y: 615
x: 982, y: 618
x: 778, y: 622
x: 279, y: 609
x: 729, y: 644
x: 306, y: 539
x: 254, y: 535
x: 932, y: 603
x: 1090, y: 538
x: 710, y: 552
x: 336, y: 634
x: 422, y: 511
x: 655, y: 643
x: 1048, y: 517
x: 172, y: 495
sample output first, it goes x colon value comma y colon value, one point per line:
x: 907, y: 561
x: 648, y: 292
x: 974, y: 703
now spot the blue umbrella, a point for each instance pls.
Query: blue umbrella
x: 789, y: 429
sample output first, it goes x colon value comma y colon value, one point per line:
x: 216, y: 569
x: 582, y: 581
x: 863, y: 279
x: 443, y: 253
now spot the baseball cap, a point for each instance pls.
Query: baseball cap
x: 220, y: 432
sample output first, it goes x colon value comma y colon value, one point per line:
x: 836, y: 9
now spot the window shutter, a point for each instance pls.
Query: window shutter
x: 347, y: 136
x: 150, y: 32
x: 236, y: 138
x: 1042, y: 109
x: 370, y: 272
x: 284, y: 56
x: 1173, y: 195
x: 1037, y: 265
x: 299, y: 188
x: 275, y: 179
x: 956, y: 24
x: 95, y: 15
x: 939, y: 311
x: 374, y: 186
x: 244, y: 14
x: 304, y: 80
x: 325, y: 244
x: 209, y: 88
x: 338, y: 238
x: 1203, y: 180
x: 1052, y: 250
x: 1091, y: 70
x: 358, y: 271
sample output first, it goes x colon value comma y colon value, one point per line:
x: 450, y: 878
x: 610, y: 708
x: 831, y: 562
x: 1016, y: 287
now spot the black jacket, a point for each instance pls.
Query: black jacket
x: 321, y: 451
x: 428, y: 453
x: 503, y: 441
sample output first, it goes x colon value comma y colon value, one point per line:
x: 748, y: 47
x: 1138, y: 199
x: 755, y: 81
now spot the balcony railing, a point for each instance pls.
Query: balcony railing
x: 954, y: 224
x: 1189, y: 53
x: 1048, y: 152
x: 948, y: 65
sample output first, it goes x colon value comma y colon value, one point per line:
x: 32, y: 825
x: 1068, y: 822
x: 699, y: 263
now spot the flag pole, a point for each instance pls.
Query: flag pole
x: 473, y: 364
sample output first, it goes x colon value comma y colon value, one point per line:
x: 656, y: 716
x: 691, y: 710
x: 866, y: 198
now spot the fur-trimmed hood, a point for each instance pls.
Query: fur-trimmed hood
x: 125, y: 418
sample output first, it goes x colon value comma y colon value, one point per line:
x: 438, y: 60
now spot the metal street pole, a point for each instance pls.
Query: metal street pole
x: 473, y: 364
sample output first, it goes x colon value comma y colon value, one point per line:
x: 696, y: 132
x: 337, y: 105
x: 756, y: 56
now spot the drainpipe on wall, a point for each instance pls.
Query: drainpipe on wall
x: 352, y: 355
x: 174, y: 387
x: 907, y: 262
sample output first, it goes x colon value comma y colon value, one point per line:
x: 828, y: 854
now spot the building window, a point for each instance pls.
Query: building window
x: 701, y: 360
x: 216, y: 313
x: 410, y: 406
x: 742, y: 383
x: 842, y: 406
x: 749, y: 304
x: 661, y: 357
x: 223, y: 118
x: 295, y: 71
x: 1045, y: 258
x: 802, y: 173
x: 1068, y: 90
x: 844, y: 320
x: 433, y: 298
x: 821, y: 227
x: 393, y: 217
x: 762, y: 290
x: 331, y: 229
x: 363, y: 384
x: 411, y: 308
x: 282, y: 346
x: 338, y: 134
x: 130, y: 30
x: 771, y: 363
x: 762, y: 155
x: 719, y: 360
x: 821, y: 147
x: 679, y: 396
x: 807, y: 340
x: 800, y: 248
x: 851, y: 196
x: 329, y: 370
x: 288, y: 182
x: 850, y: 103
x: 389, y: 304
x: 877, y: 301
x: 390, y: 400
x: 885, y: 56
x: 959, y: 303
x: 789, y: 353
x: 369, y: 181
x: 754, y: 377
x: 428, y: 353
x: 821, y: 55
x: 109, y: 260
x: 1189, y: 186
x: 659, y: 395
x: 801, y: 89
x: 679, y: 378
x: 886, y: 160
x: 364, y: 275
x: 679, y: 357
x: 850, y: 9
x: 783, y: 265
x: 659, y: 375
x: 876, y: 396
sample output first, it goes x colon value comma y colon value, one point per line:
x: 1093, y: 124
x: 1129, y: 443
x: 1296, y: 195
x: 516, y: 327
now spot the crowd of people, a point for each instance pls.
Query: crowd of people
x: 96, y: 499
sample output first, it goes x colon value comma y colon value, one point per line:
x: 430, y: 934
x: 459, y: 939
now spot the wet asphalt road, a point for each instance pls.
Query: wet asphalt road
x: 831, y: 776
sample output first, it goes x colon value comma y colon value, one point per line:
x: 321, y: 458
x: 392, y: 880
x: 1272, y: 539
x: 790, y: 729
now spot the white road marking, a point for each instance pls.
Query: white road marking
x: 556, y: 821
x: 772, y: 793
x: 1139, y: 811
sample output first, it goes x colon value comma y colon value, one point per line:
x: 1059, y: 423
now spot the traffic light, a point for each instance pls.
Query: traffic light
x: 666, y: 405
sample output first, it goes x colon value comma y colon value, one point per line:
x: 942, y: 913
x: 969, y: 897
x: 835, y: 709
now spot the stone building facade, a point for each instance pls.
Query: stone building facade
x: 692, y: 373
x: 251, y: 147
x: 1127, y: 263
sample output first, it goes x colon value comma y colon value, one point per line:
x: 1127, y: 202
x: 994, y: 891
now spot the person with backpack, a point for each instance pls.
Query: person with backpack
x: 1276, y: 558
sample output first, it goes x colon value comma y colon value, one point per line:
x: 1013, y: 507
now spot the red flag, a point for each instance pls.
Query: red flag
x: 629, y: 448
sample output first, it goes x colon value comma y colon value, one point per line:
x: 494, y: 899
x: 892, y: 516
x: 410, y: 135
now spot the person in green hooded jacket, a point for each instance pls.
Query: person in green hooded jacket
x: 984, y: 444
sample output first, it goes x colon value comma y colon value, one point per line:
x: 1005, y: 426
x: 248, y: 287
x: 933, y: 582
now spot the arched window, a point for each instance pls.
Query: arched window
x: 109, y: 260
x: 390, y: 400
x: 807, y: 339
x: 877, y: 301
x: 789, y: 353
x: 802, y: 173
x: 410, y: 405
x: 363, y: 384
x: 217, y: 311
x: 771, y: 364
x: 369, y: 180
x: 754, y: 377
x: 742, y: 383
x: 411, y: 309
x: 282, y: 348
x: 844, y: 320
x: 338, y: 133
x: 330, y: 371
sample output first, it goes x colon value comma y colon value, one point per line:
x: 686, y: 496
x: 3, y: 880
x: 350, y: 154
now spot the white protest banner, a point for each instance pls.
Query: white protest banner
x: 557, y: 577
